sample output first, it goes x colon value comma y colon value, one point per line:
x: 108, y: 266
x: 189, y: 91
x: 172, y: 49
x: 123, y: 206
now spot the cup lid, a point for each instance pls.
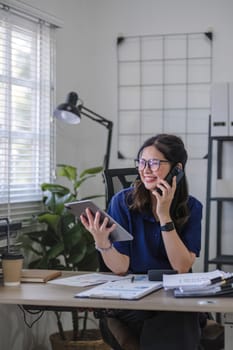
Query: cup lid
x: 11, y: 256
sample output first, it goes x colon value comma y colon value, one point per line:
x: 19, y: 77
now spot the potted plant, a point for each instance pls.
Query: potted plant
x: 63, y: 243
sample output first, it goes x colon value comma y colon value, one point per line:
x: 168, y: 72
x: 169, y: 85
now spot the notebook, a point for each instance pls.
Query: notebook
x: 38, y: 275
x: 131, y: 288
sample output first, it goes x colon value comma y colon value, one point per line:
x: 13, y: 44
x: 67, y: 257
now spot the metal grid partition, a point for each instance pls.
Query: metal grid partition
x: 164, y: 86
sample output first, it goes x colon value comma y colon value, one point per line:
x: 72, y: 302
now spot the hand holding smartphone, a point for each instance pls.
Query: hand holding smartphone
x: 176, y: 171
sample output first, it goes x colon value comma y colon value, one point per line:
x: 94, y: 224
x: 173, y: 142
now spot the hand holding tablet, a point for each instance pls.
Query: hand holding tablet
x: 78, y: 208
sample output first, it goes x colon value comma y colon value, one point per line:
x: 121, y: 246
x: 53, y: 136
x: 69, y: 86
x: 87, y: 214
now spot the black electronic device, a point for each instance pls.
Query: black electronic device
x: 157, y: 275
x: 176, y: 171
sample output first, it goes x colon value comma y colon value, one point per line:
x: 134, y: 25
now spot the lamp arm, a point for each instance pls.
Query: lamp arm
x: 94, y: 116
x: 109, y: 141
x: 106, y: 123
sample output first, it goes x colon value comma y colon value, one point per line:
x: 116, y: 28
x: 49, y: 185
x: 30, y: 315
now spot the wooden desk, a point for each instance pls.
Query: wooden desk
x: 43, y: 295
x: 40, y: 294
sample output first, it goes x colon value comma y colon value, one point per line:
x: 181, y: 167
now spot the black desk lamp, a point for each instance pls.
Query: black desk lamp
x: 70, y: 112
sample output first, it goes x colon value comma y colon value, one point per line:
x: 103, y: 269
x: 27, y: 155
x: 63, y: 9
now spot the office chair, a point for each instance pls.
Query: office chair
x: 117, y: 179
x: 113, y: 331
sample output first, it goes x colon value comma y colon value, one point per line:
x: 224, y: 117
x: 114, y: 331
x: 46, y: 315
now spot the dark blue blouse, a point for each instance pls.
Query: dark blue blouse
x: 146, y: 250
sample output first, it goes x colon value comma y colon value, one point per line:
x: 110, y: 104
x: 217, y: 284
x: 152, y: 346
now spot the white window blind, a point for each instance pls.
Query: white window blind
x: 26, y: 100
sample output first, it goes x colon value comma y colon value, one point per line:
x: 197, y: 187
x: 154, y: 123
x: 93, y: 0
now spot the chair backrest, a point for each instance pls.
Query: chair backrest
x: 117, y: 179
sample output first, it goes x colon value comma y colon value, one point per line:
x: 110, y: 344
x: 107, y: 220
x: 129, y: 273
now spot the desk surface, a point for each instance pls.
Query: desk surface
x: 42, y: 294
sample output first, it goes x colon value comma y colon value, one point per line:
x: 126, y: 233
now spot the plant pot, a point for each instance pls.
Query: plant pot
x: 93, y: 341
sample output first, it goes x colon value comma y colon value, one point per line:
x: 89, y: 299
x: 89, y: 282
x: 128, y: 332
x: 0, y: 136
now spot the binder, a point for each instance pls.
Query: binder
x: 220, y: 109
x: 225, y: 292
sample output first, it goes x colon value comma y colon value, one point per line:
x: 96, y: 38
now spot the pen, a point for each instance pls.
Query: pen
x: 226, y: 281
x: 131, y: 279
x: 221, y: 280
x: 226, y: 286
x: 216, y: 280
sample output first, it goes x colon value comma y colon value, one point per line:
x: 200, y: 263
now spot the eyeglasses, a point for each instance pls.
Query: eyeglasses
x: 153, y: 164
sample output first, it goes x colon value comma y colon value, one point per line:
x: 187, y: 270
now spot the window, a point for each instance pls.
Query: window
x: 26, y: 100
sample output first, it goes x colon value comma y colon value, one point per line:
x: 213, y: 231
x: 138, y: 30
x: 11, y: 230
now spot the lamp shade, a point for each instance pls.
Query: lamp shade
x: 71, y: 111
x: 68, y: 112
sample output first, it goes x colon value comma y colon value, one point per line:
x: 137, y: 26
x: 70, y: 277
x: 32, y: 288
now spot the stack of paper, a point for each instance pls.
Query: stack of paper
x: 89, y: 279
x: 200, y: 284
x: 194, y: 280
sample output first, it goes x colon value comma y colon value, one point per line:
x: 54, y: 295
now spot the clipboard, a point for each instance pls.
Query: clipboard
x: 78, y: 207
x: 127, y: 288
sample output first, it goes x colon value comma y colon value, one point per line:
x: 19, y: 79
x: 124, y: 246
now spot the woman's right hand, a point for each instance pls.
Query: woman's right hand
x: 164, y: 200
x: 98, y: 229
x: 118, y: 263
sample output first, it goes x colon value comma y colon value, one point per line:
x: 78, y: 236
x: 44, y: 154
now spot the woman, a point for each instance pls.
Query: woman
x: 166, y: 224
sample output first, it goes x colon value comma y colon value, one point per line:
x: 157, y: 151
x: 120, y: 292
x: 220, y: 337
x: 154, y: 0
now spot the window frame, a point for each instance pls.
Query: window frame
x: 23, y: 209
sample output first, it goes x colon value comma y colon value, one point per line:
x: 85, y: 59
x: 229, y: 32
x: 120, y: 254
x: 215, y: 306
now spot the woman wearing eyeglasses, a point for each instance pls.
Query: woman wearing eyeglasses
x: 165, y: 222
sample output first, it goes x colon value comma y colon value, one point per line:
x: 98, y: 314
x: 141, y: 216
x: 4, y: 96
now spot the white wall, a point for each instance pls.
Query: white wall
x: 86, y: 63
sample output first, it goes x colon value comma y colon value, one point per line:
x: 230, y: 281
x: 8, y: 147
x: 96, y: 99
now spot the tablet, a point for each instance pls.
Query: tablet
x: 78, y: 207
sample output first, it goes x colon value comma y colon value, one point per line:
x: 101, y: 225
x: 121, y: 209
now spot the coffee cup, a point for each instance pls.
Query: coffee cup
x: 12, y: 264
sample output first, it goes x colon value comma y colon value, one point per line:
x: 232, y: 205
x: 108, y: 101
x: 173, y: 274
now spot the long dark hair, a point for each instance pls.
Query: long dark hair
x: 172, y: 147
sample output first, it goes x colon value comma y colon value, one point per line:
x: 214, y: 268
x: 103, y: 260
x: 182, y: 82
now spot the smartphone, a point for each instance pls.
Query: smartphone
x: 176, y: 171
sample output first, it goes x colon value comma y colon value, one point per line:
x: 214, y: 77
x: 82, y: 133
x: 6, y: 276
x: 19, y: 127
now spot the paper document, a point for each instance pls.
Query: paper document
x: 191, y: 280
x: 135, y: 287
x: 86, y: 280
x: 217, y: 286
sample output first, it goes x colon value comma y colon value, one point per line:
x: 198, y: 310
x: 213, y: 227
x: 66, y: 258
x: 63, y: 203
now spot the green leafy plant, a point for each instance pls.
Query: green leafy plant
x: 63, y: 243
